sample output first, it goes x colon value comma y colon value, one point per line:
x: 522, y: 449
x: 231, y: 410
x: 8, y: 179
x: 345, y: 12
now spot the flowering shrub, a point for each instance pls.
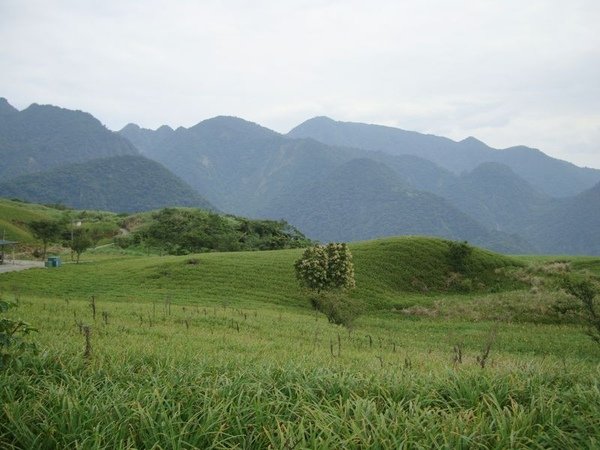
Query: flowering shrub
x: 328, y: 270
x: 326, y: 267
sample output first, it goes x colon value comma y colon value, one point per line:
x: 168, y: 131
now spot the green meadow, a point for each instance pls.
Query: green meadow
x: 223, y: 350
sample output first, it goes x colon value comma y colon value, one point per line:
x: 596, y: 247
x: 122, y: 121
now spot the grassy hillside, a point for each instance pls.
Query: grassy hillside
x: 176, y: 231
x: 385, y: 269
x: 237, y: 358
x: 14, y: 216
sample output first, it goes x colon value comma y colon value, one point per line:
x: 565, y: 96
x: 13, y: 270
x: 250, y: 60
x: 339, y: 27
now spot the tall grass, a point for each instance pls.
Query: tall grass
x: 226, y: 353
x: 163, y: 402
x: 159, y: 383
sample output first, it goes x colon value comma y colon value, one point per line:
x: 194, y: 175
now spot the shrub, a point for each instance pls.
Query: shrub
x: 585, y: 290
x: 12, y: 334
x: 337, y: 307
x: 458, y: 255
x: 326, y: 267
x: 327, y: 270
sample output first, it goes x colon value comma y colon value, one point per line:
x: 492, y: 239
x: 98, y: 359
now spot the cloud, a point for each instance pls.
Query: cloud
x: 507, y: 72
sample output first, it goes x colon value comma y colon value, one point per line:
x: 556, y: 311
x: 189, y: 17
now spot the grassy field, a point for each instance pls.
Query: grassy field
x: 222, y: 350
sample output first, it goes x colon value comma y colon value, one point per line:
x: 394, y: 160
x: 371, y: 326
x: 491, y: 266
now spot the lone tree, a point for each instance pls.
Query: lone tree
x: 80, y: 242
x: 46, y: 231
x: 327, y: 271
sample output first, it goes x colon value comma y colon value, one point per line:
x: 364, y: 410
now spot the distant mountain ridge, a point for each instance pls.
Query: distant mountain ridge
x: 335, y: 180
x: 237, y: 165
x: 246, y: 169
x: 497, y: 197
x: 552, y: 176
x: 570, y: 226
x: 42, y: 137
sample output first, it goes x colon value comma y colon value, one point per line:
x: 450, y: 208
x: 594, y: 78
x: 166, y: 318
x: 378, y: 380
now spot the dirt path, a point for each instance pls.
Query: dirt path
x: 13, y: 266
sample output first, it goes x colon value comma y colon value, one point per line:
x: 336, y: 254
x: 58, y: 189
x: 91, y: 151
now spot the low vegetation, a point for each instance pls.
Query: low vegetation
x: 13, y: 333
x: 180, y: 231
x: 586, y: 291
x: 175, y: 231
x: 221, y: 350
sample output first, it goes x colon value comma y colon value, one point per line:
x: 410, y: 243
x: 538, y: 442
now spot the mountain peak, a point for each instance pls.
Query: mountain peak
x: 130, y: 127
x: 6, y: 108
x: 52, y: 113
x: 232, y: 124
x: 321, y: 119
x: 472, y: 141
x: 311, y: 125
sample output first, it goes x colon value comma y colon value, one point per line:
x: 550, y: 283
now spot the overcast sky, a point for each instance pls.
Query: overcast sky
x: 508, y: 72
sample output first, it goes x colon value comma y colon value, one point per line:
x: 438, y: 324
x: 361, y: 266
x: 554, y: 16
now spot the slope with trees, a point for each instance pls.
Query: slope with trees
x: 122, y: 183
x: 237, y: 165
x: 185, y: 230
x: 570, y: 226
x: 363, y: 199
x: 497, y: 197
x: 43, y: 137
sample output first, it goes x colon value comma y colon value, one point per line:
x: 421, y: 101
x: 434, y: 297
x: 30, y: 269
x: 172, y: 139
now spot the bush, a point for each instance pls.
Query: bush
x: 327, y: 270
x: 338, y: 308
x: 585, y: 290
x: 326, y: 267
x: 12, y: 336
x: 458, y: 255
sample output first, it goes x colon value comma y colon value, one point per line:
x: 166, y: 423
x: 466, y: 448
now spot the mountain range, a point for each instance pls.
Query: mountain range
x: 548, y: 175
x: 336, y: 181
x: 42, y: 137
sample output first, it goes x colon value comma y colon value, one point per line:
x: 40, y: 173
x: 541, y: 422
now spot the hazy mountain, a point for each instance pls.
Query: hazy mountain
x: 364, y: 199
x: 551, y: 176
x: 144, y: 139
x: 121, y: 183
x: 238, y: 165
x: 571, y: 226
x: 497, y: 197
x: 42, y: 137
x: 6, y: 109
x: 420, y: 173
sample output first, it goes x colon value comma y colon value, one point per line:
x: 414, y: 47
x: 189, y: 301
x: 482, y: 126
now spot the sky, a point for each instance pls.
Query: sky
x: 508, y: 72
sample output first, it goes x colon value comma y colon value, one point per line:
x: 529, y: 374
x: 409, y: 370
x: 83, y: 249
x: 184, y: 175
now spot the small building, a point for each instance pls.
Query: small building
x: 3, y: 244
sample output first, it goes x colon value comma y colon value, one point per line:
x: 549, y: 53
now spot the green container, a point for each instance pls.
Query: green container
x: 53, y: 261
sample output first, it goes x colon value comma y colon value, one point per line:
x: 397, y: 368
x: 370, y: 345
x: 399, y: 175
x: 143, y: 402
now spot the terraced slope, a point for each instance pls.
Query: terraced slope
x: 386, y: 270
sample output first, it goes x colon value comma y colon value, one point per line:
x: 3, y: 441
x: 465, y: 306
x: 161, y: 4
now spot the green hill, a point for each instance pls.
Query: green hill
x: 127, y: 183
x: 387, y: 270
